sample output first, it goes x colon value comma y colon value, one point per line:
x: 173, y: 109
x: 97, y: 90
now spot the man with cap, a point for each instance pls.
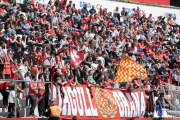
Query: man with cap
x: 74, y: 8
x: 116, y: 11
x: 54, y: 111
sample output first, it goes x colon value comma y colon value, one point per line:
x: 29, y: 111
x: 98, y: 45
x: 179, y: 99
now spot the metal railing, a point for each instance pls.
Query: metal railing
x: 16, y: 89
x: 175, y: 88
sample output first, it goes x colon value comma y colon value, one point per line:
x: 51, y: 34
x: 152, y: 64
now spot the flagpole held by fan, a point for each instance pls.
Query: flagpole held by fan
x: 140, y: 95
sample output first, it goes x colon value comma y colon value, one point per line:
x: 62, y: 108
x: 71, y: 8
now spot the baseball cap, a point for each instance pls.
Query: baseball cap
x: 68, y: 37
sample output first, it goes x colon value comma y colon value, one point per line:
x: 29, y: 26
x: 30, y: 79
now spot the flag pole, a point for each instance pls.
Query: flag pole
x: 140, y: 95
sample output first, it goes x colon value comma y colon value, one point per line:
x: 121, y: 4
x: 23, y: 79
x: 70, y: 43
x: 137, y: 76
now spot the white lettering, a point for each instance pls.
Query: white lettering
x: 136, y: 114
x: 66, y: 102
x: 87, y: 110
x: 133, y: 112
x: 119, y: 103
x: 60, y: 99
x: 125, y: 103
x: 143, y: 105
x: 93, y: 111
x: 73, y: 102
x: 80, y: 107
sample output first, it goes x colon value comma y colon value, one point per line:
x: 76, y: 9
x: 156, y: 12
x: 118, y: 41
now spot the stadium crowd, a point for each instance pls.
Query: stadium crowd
x: 35, y: 42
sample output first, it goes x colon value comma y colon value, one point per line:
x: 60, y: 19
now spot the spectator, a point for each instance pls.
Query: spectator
x: 11, y: 99
x: 32, y: 95
x: 40, y: 94
x: 92, y: 10
x: 160, y: 104
x: 25, y: 28
x: 123, y: 11
x: 84, y: 9
x: 97, y: 75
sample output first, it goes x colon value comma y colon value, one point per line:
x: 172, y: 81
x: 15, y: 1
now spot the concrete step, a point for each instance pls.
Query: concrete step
x: 3, y: 109
x: 4, y: 114
x: 1, y: 104
x: 21, y: 103
x: 25, y: 112
x: 35, y: 111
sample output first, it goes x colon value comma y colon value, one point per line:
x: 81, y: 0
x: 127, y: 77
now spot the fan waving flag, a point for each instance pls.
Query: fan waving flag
x: 77, y: 57
x: 128, y: 70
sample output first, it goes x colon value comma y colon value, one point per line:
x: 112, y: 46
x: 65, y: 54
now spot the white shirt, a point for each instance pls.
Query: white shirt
x: 85, y: 48
x: 24, y: 69
x: 115, y: 33
x: 2, y: 52
x: 102, y: 60
x: 87, y: 34
x: 11, y: 96
x: 94, y: 66
x: 133, y: 20
x: 138, y: 37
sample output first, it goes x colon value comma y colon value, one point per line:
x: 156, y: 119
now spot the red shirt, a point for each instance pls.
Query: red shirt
x: 32, y: 85
x: 63, y: 70
x: 9, y: 41
x: 86, y: 83
x: 94, y: 19
x: 42, y: 58
x: 58, y: 59
x: 107, y: 84
x: 41, y: 20
x: 40, y: 92
x: 52, y: 75
x: 37, y: 55
x: 116, y: 62
x: 148, y: 49
x: 2, y: 11
x: 4, y: 86
x: 28, y: 22
x: 161, y: 82
x: 144, y: 86
x: 37, y: 39
x: 86, y: 19
x: 70, y: 81
x: 14, y: 76
x: 34, y: 68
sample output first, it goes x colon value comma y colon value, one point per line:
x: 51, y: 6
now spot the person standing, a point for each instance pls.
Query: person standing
x: 32, y: 95
x: 11, y: 99
x: 41, y: 91
x: 54, y: 111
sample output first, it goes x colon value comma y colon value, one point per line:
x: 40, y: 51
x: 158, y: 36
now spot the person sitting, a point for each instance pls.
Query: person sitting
x: 160, y: 104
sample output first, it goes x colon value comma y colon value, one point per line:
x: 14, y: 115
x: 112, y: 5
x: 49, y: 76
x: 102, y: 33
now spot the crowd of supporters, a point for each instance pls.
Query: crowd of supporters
x: 35, y: 44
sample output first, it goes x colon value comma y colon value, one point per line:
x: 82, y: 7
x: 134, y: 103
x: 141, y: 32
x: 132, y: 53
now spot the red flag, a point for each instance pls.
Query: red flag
x: 77, y: 57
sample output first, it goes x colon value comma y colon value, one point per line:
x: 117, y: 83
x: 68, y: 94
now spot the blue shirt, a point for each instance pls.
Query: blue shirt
x: 77, y: 17
x: 8, y: 34
x: 23, y: 25
x: 147, y: 58
x: 159, y: 104
x: 115, y: 19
